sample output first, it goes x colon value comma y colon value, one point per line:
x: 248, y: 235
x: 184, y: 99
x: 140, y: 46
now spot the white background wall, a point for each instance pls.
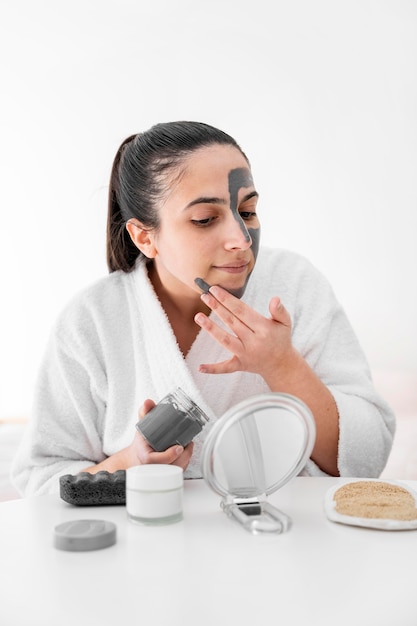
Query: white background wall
x: 321, y: 95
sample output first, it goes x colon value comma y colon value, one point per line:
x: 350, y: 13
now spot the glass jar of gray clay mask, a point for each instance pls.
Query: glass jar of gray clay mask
x: 176, y: 419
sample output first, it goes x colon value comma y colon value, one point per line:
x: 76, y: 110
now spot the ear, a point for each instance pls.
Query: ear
x: 142, y: 237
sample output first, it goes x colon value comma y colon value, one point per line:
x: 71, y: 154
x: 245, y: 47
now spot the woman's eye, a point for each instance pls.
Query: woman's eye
x: 204, y: 222
x: 247, y: 215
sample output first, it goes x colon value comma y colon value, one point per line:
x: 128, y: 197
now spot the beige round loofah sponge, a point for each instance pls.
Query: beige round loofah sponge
x: 377, y: 500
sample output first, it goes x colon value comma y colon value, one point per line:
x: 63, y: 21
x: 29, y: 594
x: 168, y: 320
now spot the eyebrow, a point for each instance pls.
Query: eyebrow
x: 252, y: 194
x: 209, y: 200
x: 205, y: 200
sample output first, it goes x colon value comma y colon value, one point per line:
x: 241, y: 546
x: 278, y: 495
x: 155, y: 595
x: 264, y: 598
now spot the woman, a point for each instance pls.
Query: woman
x: 183, y: 206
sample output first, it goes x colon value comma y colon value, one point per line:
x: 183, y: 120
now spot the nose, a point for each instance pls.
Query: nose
x: 237, y: 235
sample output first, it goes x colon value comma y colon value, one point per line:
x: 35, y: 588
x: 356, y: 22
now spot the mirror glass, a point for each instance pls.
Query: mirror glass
x: 258, y: 445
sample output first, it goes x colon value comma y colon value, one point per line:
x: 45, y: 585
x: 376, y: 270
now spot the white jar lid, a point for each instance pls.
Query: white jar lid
x: 154, y: 477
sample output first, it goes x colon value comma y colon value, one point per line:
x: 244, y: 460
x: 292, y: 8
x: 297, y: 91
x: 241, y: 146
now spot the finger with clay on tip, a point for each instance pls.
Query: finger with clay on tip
x: 205, y: 287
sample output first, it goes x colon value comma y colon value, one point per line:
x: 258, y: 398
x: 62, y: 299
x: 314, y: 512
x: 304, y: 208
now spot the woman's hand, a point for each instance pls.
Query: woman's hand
x: 143, y: 454
x: 264, y: 346
x: 257, y: 344
x: 139, y: 452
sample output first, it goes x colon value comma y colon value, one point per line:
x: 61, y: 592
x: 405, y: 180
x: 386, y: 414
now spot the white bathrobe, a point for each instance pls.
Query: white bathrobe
x: 113, y: 347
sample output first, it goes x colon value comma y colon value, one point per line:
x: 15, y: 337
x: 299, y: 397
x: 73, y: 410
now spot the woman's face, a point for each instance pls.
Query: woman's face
x: 208, y: 223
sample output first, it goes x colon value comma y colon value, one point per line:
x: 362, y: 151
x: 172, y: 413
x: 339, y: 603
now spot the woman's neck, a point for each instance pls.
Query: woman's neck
x: 180, y: 309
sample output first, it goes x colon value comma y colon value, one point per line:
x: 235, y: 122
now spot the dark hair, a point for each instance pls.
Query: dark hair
x: 138, y: 180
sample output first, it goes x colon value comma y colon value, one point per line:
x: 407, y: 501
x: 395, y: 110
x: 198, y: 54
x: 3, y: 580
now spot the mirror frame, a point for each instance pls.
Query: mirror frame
x: 248, y: 407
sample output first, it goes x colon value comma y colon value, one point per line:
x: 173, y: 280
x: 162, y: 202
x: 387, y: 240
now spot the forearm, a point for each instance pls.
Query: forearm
x: 119, y: 461
x: 297, y: 378
x: 140, y: 453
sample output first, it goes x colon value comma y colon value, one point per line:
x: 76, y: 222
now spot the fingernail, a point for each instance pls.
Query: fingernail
x: 199, y: 318
x: 179, y: 450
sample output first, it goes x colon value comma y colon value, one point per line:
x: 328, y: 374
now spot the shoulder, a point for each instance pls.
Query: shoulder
x: 285, y: 266
x: 95, y: 306
x: 105, y: 290
x: 284, y: 257
x: 289, y: 275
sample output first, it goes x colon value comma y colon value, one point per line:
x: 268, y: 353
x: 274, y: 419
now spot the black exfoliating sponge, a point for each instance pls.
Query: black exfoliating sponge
x: 87, y: 489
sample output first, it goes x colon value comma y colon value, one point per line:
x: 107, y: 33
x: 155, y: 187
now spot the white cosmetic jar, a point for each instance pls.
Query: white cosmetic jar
x: 154, y: 494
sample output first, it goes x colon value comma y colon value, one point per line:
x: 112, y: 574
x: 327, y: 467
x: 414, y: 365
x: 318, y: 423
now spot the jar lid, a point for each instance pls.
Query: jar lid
x: 154, y: 477
x: 85, y: 534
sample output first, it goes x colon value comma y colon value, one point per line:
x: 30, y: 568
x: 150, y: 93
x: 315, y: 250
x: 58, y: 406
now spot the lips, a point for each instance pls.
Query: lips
x: 238, y: 267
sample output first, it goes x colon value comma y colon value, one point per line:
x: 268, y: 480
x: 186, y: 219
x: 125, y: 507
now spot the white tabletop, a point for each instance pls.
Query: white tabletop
x: 206, y: 570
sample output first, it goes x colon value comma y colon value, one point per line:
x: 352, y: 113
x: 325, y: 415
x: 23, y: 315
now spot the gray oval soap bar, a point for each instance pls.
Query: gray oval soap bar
x: 84, y: 534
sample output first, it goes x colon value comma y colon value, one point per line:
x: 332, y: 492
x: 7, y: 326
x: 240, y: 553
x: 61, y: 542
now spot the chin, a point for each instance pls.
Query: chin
x: 238, y: 292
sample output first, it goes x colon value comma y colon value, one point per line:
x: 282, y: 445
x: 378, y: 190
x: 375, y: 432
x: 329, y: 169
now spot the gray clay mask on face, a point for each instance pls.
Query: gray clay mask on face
x: 238, y: 178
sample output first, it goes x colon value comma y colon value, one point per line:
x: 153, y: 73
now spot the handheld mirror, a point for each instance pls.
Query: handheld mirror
x: 255, y: 448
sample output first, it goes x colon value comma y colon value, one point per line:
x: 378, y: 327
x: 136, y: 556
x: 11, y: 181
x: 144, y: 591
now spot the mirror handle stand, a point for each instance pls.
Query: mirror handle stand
x: 257, y: 517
